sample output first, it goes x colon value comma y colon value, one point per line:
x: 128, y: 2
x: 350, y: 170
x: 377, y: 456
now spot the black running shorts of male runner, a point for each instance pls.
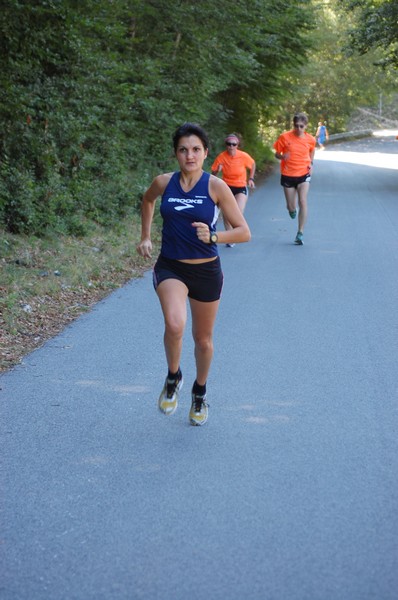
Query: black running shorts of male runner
x: 289, y: 182
x: 204, y: 280
x: 238, y: 190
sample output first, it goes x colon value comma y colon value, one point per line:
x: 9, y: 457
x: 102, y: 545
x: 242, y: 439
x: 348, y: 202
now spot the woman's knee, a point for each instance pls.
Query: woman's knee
x: 174, y: 330
x: 241, y: 200
x: 302, y: 202
x: 204, y: 343
x: 174, y: 325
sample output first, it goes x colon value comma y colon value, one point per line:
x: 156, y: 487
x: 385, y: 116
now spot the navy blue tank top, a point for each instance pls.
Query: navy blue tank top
x: 179, y: 210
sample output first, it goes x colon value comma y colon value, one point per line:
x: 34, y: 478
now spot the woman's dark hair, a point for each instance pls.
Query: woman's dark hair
x: 190, y: 129
x: 300, y: 117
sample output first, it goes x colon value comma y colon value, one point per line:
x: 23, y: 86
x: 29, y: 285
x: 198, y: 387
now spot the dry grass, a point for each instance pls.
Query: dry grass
x: 47, y: 283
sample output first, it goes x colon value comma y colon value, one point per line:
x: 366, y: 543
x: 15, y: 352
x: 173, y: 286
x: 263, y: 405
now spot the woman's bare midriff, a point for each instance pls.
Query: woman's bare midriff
x: 197, y: 261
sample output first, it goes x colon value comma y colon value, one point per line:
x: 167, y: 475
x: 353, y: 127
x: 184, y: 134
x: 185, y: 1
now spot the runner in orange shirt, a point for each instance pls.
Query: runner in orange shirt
x: 295, y: 149
x: 233, y: 164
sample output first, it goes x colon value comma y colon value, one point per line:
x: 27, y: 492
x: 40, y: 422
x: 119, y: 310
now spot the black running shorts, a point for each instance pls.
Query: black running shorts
x: 204, y: 280
x: 290, y: 182
x: 238, y: 190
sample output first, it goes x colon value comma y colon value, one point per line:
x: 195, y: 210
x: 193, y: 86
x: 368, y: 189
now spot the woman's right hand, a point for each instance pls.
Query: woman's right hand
x: 144, y: 248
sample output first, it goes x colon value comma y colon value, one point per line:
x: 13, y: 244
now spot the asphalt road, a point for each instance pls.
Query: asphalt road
x: 290, y: 491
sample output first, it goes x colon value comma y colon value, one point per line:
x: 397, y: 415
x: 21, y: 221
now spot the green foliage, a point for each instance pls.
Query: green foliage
x: 333, y: 82
x: 376, y: 26
x: 92, y: 92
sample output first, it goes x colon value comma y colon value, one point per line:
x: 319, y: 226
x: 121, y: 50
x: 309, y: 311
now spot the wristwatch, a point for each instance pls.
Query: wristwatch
x: 213, y: 238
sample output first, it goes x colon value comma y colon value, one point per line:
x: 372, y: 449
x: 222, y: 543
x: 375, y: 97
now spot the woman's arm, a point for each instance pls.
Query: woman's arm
x: 251, y: 175
x: 155, y: 190
x: 225, y: 199
x: 280, y: 156
x: 312, y: 154
x: 216, y: 167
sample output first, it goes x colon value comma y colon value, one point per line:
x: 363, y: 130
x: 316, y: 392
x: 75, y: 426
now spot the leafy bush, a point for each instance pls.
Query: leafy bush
x: 92, y: 97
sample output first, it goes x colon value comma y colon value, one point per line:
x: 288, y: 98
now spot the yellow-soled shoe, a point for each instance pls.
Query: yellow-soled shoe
x: 199, y: 412
x: 168, y: 399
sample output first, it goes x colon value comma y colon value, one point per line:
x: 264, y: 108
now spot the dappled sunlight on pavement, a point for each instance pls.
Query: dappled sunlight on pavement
x: 373, y: 159
x: 386, y: 158
x: 386, y: 133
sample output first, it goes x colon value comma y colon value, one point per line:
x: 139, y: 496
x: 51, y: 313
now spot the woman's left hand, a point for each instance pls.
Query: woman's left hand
x: 203, y: 232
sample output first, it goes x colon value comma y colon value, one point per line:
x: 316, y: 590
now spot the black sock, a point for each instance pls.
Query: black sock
x: 174, y: 376
x: 200, y: 390
x: 172, y: 381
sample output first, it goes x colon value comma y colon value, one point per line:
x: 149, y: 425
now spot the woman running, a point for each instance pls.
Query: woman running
x: 234, y: 166
x: 188, y: 265
x: 295, y: 149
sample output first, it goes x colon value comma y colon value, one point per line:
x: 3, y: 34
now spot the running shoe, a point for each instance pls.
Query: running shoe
x: 293, y: 214
x: 299, y: 239
x: 168, y: 399
x: 230, y: 245
x: 199, y: 410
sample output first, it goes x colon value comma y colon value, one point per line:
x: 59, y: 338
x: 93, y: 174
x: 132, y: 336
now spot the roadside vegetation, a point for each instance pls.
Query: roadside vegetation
x: 46, y: 282
x: 92, y: 93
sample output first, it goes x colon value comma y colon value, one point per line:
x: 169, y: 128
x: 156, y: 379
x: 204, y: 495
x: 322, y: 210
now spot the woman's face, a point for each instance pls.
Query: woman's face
x: 299, y: 128
x: 232, y: 146
x: 190, y: 153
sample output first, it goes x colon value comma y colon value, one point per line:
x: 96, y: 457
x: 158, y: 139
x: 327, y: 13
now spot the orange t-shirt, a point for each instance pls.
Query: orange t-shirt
x: 300, y: 149
x: 234, y: 167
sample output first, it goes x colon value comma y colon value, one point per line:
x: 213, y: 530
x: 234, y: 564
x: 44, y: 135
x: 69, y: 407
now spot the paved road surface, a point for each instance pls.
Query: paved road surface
x: 290, y: 491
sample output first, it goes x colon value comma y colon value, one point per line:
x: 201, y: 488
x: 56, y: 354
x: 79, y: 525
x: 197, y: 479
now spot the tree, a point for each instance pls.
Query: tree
x: 93, y: 92
x: 333, y: 81
x: 376, y: 27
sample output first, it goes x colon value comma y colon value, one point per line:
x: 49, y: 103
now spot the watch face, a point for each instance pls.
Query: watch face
x: 214, y: 238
